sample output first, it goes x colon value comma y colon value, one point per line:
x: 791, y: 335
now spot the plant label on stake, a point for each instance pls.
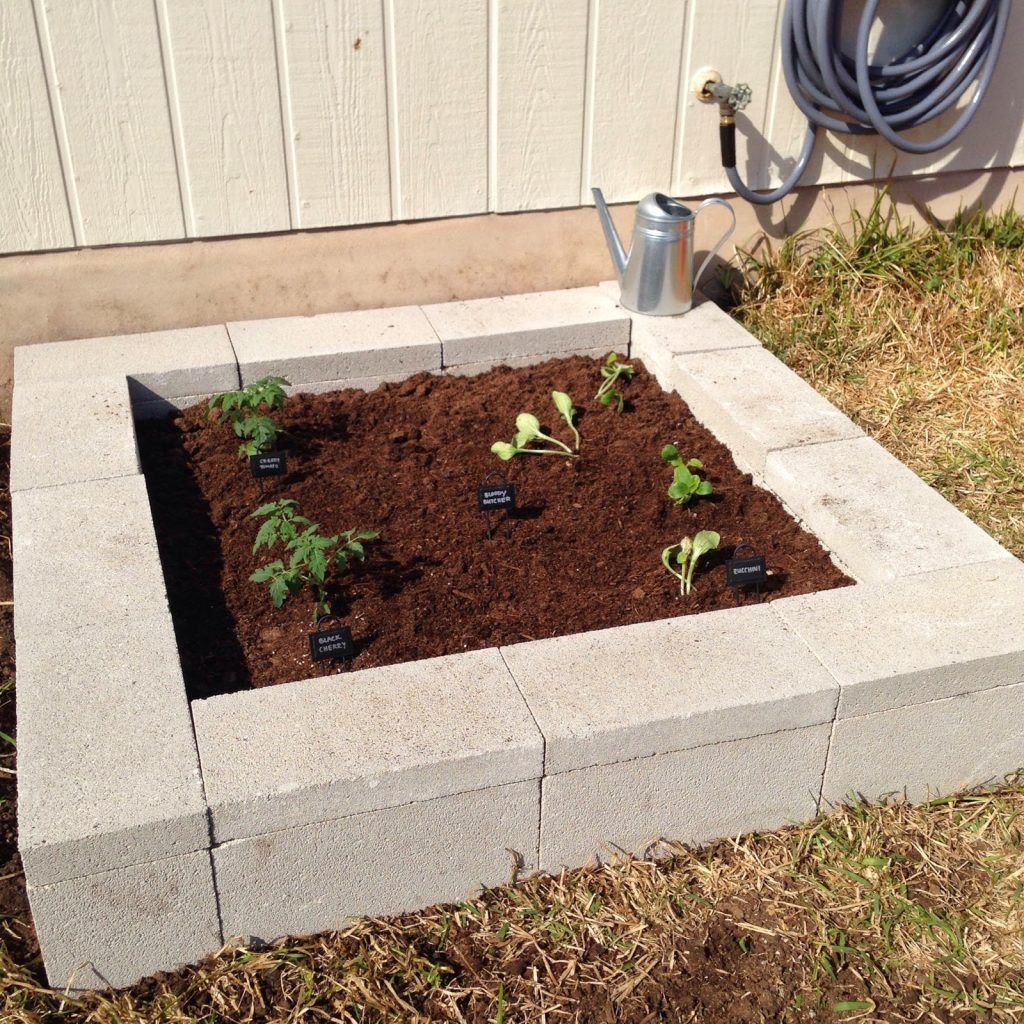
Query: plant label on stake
x: 746, y: 571
x: 331, y: 644
x: 268, y: 464
x: 494, y: 497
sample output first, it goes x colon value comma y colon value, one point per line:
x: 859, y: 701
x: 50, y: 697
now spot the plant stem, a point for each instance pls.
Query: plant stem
x: 554, y: 440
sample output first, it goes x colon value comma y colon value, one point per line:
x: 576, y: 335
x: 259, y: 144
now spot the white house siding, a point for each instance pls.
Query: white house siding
x: 142, y: 120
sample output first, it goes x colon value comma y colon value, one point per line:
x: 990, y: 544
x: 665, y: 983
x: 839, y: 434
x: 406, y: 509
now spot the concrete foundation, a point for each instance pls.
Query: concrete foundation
x: 292, y: 809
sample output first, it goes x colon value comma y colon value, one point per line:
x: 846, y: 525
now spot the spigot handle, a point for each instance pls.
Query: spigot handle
x: 714, y: 201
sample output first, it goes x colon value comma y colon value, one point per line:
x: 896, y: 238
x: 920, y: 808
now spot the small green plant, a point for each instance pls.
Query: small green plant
x: 313, y: 559
x: 528, y: 430
x: 685, y: 554
x: 685, y: 483
x: 608, y: 393
x: 243, y: 410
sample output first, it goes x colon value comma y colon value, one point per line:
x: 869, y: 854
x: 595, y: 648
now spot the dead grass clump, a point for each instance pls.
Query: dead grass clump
x: 919, y: 337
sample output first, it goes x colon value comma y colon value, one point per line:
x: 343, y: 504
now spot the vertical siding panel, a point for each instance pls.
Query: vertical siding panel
x: 737, y: 37
x: 542, y: 53
x: 440, y: 76
x: 34, y: 212
x: 230, y: 112
x: 110, y: 86
x: 336, y: 83
x: 637, y: 59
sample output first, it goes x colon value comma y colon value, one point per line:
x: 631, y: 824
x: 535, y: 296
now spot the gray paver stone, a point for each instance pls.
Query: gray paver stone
x: 387, y: 736
x: 337, y: 346
x: 724, y: 789
x: 917, y: 639
x: 68, y: 431
x: 159, y: 364
x: 558, y: 322
x: 878, y: 517
x: 382, y: 862
x: 928, y: 749
x: 615, y: 694
x: 112, y: 929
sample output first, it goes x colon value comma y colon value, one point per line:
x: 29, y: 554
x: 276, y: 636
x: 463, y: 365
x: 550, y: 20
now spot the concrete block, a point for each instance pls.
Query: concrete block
x: 337, y: 346
x: 71, y: 431
x: 159, y: 408
x: 559, y: 323
x: 475, y: 369
x: 108, y: 773
x: 691, y: 796
x: 616, y: 694
x: 111, y: 930
x: 706, y: 328
x: 84, y: 554
x: 389, y: 861
x: 159, y: 364
x: 366, y: 740
x: 753, y: 403
x: 917, y: 639
x: 879, y: 518
x: 926, y: 750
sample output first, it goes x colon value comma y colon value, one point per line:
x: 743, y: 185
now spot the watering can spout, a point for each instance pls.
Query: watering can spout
x: 611, y: 236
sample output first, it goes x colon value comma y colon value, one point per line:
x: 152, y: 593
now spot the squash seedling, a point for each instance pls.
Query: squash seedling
x: 528, y: 430
x: 686, y: 554
x: 685, y: 483
x: 242, y: 409
x: 608, y: 393
x: 313, y: 559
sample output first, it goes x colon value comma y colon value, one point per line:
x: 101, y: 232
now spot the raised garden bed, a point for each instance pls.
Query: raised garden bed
x: 153, y: 826
x: 581, y: 552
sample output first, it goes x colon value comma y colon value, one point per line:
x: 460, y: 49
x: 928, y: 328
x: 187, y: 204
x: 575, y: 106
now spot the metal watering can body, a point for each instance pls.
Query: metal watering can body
x: 656, y: 277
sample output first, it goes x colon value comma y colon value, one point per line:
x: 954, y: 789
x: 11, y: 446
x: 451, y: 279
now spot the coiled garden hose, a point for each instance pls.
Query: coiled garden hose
x: 849, y: 95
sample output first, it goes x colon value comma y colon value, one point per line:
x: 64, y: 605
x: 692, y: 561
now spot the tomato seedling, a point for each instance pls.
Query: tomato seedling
x: 528, y: 430
x: 314, y: 560
x: 685, y: 554
x: 685, y: 483
x: 608, y: 393
x: 243, y: 410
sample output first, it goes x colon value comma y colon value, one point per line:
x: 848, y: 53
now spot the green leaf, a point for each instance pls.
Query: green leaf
x: 356, y: 549
x: 611, y: 359
x: 695, y: 464
x: 504, y: 451
x: 266, y: 536
x: 705, y: 541
x: 679, y: 492
x: 563, y: 403
x: 852, y: 1004
x: 607, y: 398
x: 267, y: 572
x: 670, y: 453
x: 279, y: 591
x: 528, y: 425
x: 704, y: 488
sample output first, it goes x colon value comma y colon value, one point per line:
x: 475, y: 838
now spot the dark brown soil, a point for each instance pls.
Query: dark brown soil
x: 582, y: 553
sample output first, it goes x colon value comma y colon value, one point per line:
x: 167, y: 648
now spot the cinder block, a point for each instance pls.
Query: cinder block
x: 159, y: 364
x: 371, y: 739
x: 84, y: 554
x: 926, y: 750
x: 111, y: 930
x: 692, y: 796
x: 389, y: 861
x: 158, y: 408
x: 72, y: 431
x: 108, y: 773
x: 917, y: 639
x: 558, y: 323
x: 337, y: 346
x: 615, y: 694
x: 753, y: 403
x: 515, y: 362
x: 705, y: 328
x: 881, y: 520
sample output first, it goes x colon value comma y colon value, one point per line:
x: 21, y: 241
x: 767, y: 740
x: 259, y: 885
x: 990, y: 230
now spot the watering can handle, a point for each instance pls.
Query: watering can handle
x: 714, y: 201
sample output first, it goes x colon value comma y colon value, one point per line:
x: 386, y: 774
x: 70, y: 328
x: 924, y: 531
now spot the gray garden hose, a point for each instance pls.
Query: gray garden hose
x: 857, y: 98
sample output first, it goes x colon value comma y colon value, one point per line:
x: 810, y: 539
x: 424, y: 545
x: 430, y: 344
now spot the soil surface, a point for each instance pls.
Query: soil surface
x: 583, y: 551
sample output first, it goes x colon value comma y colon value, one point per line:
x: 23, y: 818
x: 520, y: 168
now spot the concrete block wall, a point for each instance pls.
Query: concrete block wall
x: 170, y: 828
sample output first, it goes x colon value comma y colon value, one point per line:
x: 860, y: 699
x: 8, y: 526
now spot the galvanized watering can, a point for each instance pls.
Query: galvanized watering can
x: 657, y: 276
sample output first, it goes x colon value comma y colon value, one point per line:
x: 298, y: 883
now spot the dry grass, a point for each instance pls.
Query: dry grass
x: 875, y: 913
x: 919, y: 337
